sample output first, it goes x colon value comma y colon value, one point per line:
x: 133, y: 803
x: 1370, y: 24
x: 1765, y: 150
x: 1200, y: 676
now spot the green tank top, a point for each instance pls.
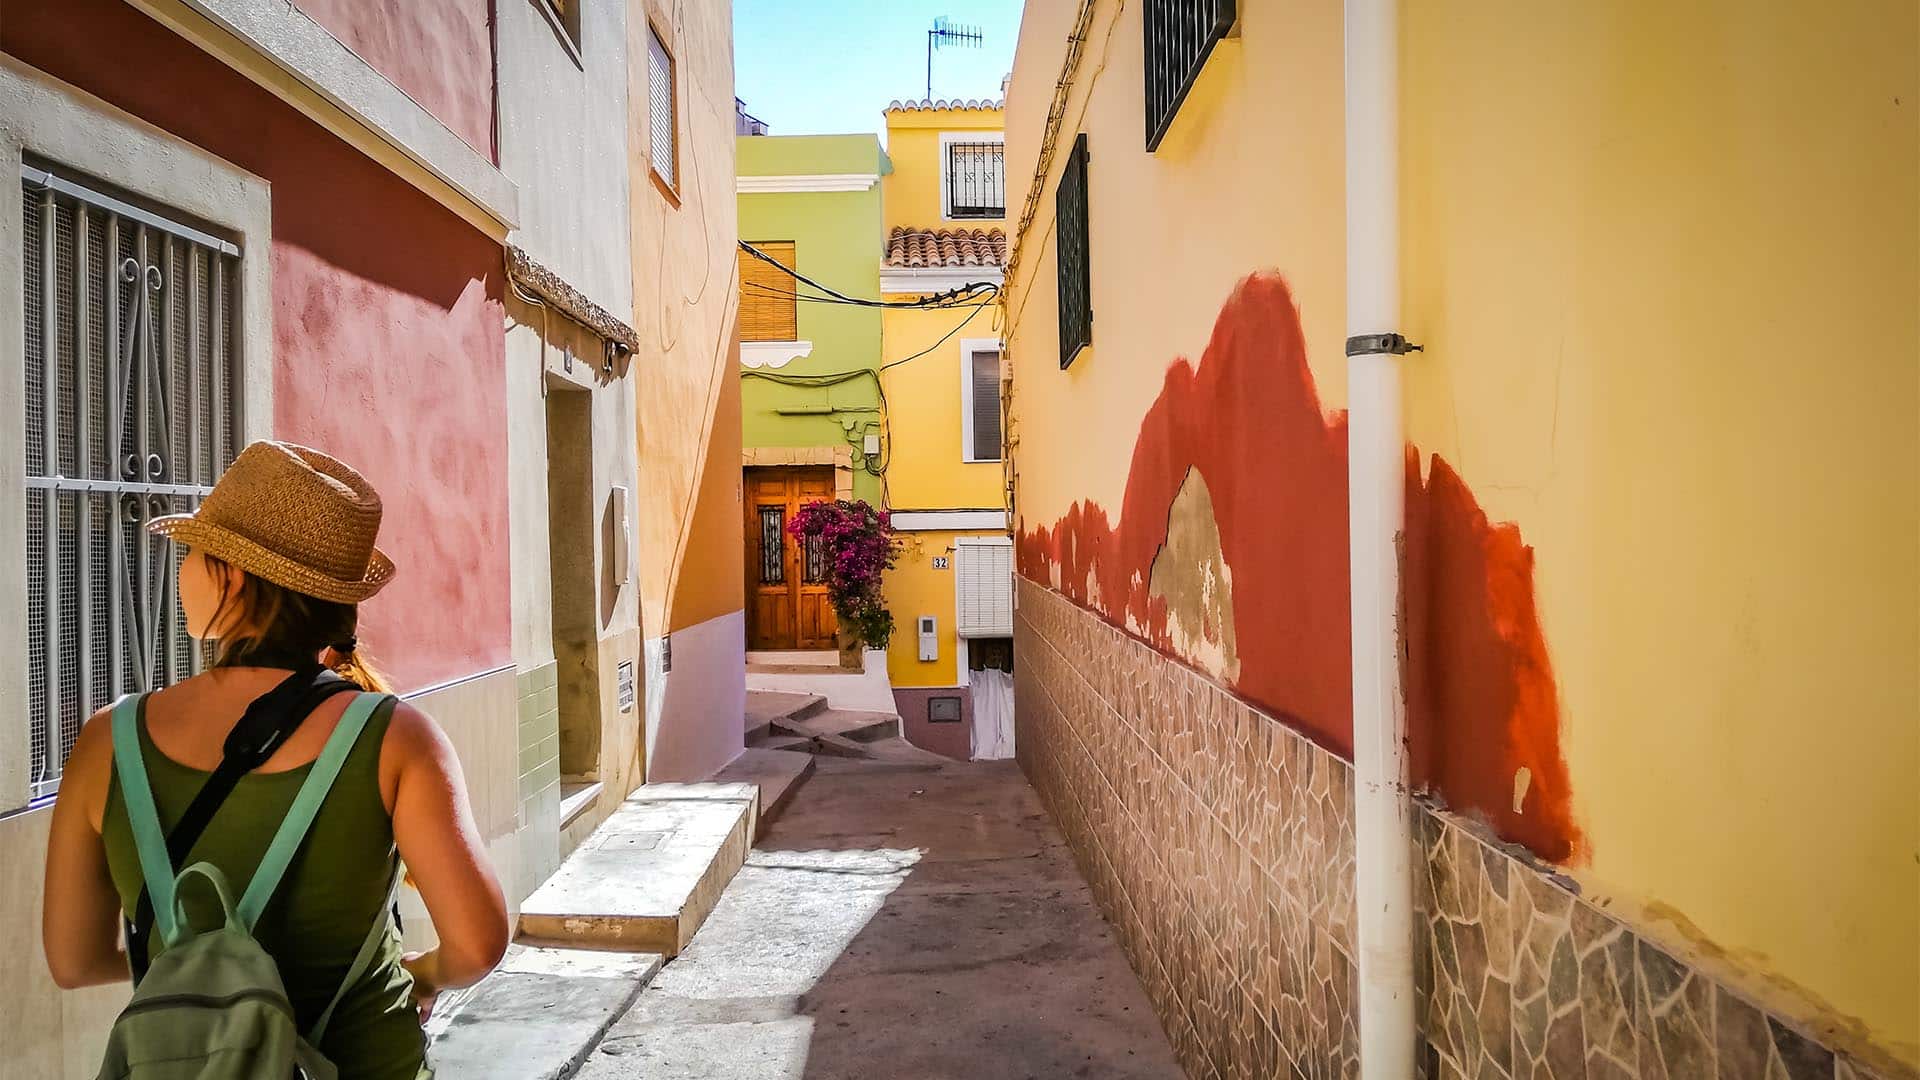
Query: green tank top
x: 333, y: 890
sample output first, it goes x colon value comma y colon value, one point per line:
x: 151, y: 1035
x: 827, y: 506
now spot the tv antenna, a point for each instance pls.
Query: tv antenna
x: 945, y: 35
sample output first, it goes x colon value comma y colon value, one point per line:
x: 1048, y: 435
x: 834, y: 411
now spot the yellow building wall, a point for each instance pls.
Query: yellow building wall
x: 915, y: 588
x: 913, y: 144
x: 1665, y: 266
x: 927, y: 469
x: 1664, y: 261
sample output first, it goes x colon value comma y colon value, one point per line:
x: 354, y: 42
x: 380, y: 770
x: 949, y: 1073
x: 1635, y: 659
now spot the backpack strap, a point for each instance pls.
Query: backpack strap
x: 293, y: 829
x: 148, y: 837
x: 363, y: 960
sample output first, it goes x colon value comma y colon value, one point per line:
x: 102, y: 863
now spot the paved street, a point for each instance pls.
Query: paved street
x: 911, y: 922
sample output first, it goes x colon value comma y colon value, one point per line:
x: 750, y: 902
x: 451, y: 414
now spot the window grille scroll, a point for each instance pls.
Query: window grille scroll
x: 129, y: 415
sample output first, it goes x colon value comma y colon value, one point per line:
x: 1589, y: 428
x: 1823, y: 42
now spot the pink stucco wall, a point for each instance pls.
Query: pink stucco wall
x: 439, y: 51
x: 388, y: 333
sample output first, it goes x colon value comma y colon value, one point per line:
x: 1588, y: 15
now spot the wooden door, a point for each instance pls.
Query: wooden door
x: 787, y: 606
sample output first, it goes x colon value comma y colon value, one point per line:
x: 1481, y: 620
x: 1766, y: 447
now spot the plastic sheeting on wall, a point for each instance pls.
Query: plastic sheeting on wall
x: 992, y: 714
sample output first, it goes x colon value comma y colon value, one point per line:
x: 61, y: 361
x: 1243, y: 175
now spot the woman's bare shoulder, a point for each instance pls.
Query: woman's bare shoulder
x: 414, y: 737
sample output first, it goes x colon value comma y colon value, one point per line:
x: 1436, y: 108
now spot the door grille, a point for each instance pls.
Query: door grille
x: 130, y: 376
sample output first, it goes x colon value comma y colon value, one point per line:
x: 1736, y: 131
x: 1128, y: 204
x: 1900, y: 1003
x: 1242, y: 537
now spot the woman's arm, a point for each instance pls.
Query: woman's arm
x: 80, y: 916
x: 446, y: 860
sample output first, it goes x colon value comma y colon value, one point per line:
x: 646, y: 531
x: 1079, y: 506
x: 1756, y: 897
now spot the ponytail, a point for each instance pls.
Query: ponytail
x: 351, y: 663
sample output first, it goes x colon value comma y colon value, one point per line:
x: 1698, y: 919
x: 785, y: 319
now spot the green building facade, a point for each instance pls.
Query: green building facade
x: 816, y: 394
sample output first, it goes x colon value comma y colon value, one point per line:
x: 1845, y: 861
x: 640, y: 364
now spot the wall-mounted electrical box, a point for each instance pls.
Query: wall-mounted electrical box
x: 871, y: 444
x: 944, y: 710
x: 929, y: 638
x: 622, y: 539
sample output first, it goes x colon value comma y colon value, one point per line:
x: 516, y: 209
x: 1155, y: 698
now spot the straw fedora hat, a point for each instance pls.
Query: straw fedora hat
x: 292, y: 516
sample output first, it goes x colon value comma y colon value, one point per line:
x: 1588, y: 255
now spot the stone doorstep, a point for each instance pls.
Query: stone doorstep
x: 777, y: 773
x: 538, y: 1015
x: 645, y: 880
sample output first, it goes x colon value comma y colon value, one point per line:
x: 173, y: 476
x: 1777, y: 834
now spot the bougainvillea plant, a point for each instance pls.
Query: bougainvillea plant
x: 859, y: 548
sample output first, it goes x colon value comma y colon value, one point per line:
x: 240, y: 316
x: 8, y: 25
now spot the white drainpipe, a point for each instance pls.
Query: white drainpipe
x: 1376, y: 499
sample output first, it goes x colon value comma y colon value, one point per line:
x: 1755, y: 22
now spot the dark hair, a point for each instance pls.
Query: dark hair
x: 274, y: 626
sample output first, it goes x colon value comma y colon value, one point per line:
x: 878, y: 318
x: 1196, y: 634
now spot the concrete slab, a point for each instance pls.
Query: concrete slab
x: 538, y: 1015
x: 857, y: 725
x: 867, y: 689
x: 921, y: 924
x: 777, y: 773
x: 647, y: 877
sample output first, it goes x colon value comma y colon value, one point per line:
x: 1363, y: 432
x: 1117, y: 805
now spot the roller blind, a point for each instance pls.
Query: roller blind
x: 985, y: 404
x: 660, y: 110
x: 986, y: 589
x: 768, y: 311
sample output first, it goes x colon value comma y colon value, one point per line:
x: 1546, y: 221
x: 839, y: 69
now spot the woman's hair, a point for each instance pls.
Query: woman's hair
x: 273, y: 626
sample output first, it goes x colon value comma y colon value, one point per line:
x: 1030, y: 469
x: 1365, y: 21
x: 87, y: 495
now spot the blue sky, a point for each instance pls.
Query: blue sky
x: 811, y: 67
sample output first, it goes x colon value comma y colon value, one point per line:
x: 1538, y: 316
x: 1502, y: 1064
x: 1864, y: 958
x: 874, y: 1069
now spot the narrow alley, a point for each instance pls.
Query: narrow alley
x: 929, y: 918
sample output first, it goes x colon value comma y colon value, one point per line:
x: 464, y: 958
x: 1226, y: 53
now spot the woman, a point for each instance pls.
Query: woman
x: 280, y: 554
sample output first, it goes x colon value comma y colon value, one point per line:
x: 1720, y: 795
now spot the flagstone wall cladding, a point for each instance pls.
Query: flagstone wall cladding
x: 1219, y: 842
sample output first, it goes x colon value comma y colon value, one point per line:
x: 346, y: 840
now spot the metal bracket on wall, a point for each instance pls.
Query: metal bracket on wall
x: 1374, y: 344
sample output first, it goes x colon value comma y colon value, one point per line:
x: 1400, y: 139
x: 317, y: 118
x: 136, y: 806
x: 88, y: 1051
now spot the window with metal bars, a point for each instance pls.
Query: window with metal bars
x: 773, y: 539
x: 1179, y: 35
x: 1070, y: 241
x: 663, y: 148
x: 131, y: 369
x: 976, y: 180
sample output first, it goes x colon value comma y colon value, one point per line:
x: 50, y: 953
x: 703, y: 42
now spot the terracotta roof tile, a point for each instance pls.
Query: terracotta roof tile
x: 943, y: 103
x: 915, y: 248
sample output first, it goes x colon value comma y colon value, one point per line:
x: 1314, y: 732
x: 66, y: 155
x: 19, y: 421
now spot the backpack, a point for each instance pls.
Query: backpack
x: 212, y: 1005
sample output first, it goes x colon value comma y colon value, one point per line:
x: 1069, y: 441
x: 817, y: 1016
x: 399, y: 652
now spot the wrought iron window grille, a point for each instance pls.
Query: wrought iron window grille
x: 976, y: 180
x: 1179, y: 36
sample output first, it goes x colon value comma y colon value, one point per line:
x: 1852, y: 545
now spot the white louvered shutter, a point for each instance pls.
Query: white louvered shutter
x: 660, y: 109
x: 986, y: 589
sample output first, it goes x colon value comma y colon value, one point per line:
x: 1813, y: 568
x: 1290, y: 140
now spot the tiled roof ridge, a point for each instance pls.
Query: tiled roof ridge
x: 945, y: 103
x: 915, y: 248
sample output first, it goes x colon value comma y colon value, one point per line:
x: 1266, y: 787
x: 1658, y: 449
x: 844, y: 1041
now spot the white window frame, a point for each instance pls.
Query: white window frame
x: 959, y: 639
x: 947, y: 139
x: 82, y: 137
x: 968, y: 348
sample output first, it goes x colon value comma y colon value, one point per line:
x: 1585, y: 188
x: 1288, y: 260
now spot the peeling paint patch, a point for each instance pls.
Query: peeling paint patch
x: 1247, y: 421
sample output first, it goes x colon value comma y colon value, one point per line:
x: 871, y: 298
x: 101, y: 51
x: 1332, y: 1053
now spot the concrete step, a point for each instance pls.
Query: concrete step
x: 777, y: 773
x: 765, y: 706
x: 846, y: 723
x: 538, y: 1015
x: 647, y: 877
x: 892, y: 750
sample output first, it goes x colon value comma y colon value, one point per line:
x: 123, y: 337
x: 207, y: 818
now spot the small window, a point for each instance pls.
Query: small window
x: 1070, y: 237
x: 564, y: 16
x: 980, y: 404
x: 1180, y: 35
x: 768, y: 308
x: 976, y: 180
x: 663, y: 148
x: 131, y: 368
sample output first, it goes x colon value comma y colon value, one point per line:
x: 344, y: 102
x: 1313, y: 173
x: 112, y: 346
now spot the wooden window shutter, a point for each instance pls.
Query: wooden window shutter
x: 768, y: 311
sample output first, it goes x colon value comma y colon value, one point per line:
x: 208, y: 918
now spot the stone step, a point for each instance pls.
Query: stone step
x: 538, y: 1015
x: 777, y: 773
x: 845, y: 723
x: 765, y: 706
x: 647, y: 877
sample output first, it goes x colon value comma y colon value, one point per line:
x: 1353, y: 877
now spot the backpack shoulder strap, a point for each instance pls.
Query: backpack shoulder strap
x: 136, y: 790
x: 313, y: 793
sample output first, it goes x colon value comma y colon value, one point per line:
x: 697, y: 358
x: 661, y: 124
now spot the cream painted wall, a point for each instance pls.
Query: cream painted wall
x: 686, y: 292
x: 1665, y: 266
x: 1249, y: 178
x: 1664, y: 263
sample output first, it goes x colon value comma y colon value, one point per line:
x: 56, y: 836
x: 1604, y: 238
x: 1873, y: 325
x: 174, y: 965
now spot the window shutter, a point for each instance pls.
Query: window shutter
x: 660, y: 110
x: 768, y: 310
x: 1070, y: 239
x: 986, y: 589
x: 986, y: 405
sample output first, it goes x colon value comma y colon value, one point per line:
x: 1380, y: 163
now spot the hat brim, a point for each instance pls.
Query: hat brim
x: 236, y: 550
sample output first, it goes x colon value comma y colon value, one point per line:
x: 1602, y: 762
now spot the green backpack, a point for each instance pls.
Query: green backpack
x: 212, y: 1006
